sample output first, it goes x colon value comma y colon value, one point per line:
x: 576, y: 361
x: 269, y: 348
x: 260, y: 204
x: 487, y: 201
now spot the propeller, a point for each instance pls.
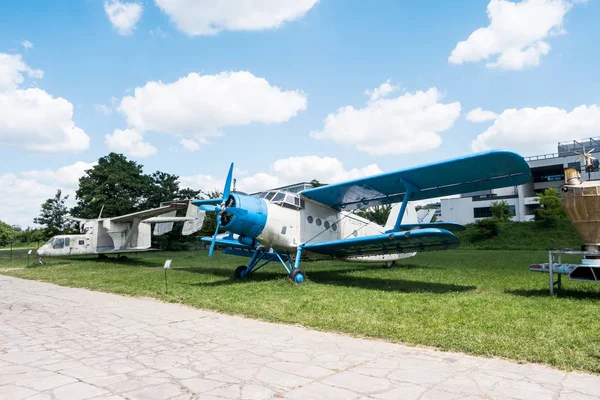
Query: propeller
x: 219, y: 209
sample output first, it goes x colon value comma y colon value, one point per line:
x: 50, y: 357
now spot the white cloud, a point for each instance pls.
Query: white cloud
x: 130, y: 142
x: 480, y: 115
x: 158, y: 32
x: 12, y: 69
x: 104, y: 109
x: 382, y: 91
x: 189, y: 144
x: 209, y: 17
x: 65, y: 177
x: 404, y: 124
x: 285, y: 172
x: 123, y: 16
x: 538, y: 130
x: 516, y: 34
x: 23, y: 194
x: 198, y: 106
x: 33, y: 120
x: 26, y: 44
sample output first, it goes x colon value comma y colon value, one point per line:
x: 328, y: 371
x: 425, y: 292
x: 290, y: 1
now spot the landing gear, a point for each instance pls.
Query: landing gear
x: 390, y: 264
x: 240, y: 272
x: 297, y: 275
x: 260, y: 257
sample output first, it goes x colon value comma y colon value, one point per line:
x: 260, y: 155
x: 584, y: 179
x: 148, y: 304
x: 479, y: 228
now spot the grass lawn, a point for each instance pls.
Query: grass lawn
x: 473, y: 301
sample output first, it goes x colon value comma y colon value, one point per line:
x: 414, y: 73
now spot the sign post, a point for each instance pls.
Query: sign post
x: 28, y: 254
x: 167, y: 265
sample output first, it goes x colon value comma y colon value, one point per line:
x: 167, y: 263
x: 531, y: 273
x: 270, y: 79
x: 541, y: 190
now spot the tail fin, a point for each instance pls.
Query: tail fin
x: 195, y: 224
x: 164, y: 227
x: 410, y: 216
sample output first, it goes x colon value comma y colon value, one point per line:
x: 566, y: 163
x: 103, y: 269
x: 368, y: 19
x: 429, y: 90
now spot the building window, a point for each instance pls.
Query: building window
x: 486, y: 212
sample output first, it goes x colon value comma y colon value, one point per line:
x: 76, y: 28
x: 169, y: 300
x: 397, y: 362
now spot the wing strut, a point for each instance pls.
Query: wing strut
x: 410, y: 189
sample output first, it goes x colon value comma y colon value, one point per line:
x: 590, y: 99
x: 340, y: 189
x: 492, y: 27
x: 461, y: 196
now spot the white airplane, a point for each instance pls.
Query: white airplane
x: 129, y: 233
x: 320, y: 223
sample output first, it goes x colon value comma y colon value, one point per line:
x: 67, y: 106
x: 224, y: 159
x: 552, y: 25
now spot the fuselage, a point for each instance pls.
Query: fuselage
x: 291, y: 220
x: 64, y: 245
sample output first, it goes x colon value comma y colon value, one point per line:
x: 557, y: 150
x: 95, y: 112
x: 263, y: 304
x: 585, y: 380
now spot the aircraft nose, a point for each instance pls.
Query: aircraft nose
x: 39, y: 252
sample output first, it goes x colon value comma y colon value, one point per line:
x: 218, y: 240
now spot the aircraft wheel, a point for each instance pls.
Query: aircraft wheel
x: 390, y: 264
x: 297, y: 275
x: 238, y: 272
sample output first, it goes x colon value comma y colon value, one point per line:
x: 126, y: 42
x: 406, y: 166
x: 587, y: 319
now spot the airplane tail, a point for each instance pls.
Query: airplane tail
x: 410, y: 216
x: 194, y: 224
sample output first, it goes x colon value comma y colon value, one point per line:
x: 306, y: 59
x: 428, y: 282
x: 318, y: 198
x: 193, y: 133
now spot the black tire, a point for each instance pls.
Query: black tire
x: 297, y: 275
x: 238, y: 272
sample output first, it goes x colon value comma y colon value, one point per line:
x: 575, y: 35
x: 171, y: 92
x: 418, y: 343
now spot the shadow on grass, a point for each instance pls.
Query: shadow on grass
x: 562, y: 293
x: 337, y: 278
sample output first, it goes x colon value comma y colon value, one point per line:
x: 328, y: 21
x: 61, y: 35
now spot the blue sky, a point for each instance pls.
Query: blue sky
x: 323, y: 56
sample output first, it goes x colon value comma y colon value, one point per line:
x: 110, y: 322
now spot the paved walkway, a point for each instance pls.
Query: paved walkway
x: 62, y: 343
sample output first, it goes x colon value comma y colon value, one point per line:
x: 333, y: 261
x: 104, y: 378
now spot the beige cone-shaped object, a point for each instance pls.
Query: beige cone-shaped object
x: 581, y: 201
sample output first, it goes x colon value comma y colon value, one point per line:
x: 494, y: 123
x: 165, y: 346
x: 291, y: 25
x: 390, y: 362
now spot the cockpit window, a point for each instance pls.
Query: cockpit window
x: 278, y: 197
x: 50, y: 242
x: 270, y: 195
x: 59, y: 243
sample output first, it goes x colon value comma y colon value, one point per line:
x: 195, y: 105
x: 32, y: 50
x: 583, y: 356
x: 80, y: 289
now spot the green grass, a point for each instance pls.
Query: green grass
x: 477, y: 302
x: 527, y: 236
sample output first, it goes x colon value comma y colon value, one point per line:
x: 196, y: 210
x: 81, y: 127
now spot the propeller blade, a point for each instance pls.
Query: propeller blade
x: 591, y: 151
x: 228, y: 184
x: 210, y: 208
x: 240, y: 212
x: 212, y: 244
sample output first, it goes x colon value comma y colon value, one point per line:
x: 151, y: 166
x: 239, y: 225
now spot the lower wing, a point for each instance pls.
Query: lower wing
x: 427, y: 239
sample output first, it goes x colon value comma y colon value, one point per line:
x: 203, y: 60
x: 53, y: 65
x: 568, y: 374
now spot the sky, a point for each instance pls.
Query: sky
x: 288, y: 90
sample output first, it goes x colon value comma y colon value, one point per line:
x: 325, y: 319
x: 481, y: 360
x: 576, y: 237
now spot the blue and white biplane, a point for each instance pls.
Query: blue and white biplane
x: 320, y: 222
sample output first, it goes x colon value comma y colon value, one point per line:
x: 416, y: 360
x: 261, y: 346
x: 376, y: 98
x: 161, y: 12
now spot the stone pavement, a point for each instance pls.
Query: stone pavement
x: 64, y: 343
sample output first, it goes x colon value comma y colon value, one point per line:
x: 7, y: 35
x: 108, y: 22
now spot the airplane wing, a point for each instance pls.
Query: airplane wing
x: 71, y: 218
x: 149, y: 213
x: 427, y: 239
x: 226, y: 241
x: 483, y: 171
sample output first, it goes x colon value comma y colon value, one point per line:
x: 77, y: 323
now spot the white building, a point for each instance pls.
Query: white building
x: 547, y: 171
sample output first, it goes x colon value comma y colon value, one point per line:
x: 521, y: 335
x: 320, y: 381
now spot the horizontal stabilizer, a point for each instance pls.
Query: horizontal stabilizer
x: 195, y: 219
x: 390, y: 243
x: 163, y: 227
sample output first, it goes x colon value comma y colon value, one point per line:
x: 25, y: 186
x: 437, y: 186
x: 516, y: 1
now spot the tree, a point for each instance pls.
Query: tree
x: 377, y: 214
x: 52, y: 215
x: 162, y: 187
x: 315, y: 183
x: 500, y: 211
x: 550, y: 210
x: 115, y: 183
x: 6, y: 234
x: 187, y: 194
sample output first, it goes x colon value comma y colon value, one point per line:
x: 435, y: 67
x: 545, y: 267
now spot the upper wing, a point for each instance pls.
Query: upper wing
x: 389, y: 243
x: 149, y: 213
x: 483, y: 171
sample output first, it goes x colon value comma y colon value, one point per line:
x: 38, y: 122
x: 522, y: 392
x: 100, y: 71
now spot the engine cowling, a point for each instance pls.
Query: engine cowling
x: 249, y: 225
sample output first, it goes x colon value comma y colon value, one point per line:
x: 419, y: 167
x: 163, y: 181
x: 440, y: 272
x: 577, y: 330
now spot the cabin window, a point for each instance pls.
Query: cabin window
x: 81, y: 242
x: 334, y: 227
x: 318, y: 221
x: 270, y: 195
x: 59, y: 243
x: 67, y: 242
x: 326, y: 224
x: 309, y: 219
x: 296, y: 201
x: 283, y: 230
x: 50, y: 242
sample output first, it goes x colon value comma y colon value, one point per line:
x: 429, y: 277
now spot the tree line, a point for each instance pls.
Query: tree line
x: 115, y: 186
